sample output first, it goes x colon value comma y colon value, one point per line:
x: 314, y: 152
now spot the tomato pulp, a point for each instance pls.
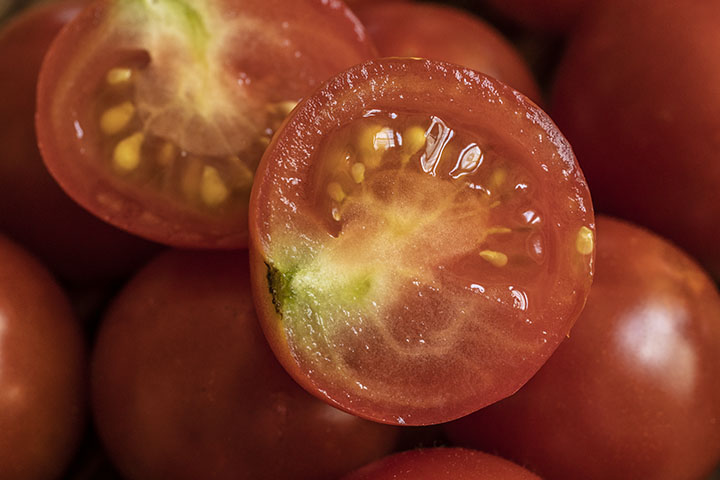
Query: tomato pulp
x: 154, y: 115
x: 421, y: 241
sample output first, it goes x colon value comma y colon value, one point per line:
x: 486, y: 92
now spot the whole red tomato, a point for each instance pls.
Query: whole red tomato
x: 633, y: 393
x: 42, y: 370
x: 441, y: 32
x: 442, y: 464
x: 421, y: 241
x: 636, y: 96
x: 185, y: 387
x: 33, y: 209
x: 154, y: 115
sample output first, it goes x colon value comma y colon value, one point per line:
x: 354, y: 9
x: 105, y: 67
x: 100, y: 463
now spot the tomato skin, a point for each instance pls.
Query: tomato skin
x: 33, y: 209
x: 184, y: 386
x: 441, y: 32
x: 633, y: 96
x: 70, y: 136
x: 281, y: 211
x: 42, y: 385
x: 554, y: 16
x: 633, y: 392
x: 442, y: 464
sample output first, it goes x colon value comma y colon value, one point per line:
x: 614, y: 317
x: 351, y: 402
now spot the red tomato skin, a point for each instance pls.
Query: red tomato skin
x: 42, y: 360
x: 633, y: 392
x: 33, y: 208
x: 315, y: 116
x: 441, y: 32
x: 146, y: 213
x: 185, y: 387
x: 442, y: 464
x: 632, y: 95
x: 552, y: 16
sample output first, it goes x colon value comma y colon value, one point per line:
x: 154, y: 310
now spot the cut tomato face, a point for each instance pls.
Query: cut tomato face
x: 154, y: 115
x: 421, y: 241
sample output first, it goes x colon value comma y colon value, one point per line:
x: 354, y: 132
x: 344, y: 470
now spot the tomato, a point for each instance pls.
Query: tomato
x: 42, y: 370
x: 442, y: 464
x: 153, y: 115
x: 556, y: 16
x: 185, y: 387
x: 441, y: 32
x: 33, y: 209
x: 635, y: 98
x: 633, y: 392
x: 421, y: 241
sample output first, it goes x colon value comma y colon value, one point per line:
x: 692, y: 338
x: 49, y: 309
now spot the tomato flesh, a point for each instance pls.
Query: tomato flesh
x: 411, y: 262
x: 167, y: 106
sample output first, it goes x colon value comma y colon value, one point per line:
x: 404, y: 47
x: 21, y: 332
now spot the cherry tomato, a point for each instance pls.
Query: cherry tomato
x: 33, y: 209
x: 153, y: 115
x: 185, y: 387
x: 441, y: 32
x: 442, y: 464
x: 42, y: 370
x: 633, y: 393
x: 421, y: 241
x: 635, y: 98
x: 556, y: 16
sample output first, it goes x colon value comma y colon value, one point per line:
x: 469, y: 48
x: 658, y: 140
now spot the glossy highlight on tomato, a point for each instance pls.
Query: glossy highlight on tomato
x: 442, y: 464
x: 154, y: 114
x: 636, y: 382
x: 42, y: 370
x: 421, y: 241
x: 186, y: 388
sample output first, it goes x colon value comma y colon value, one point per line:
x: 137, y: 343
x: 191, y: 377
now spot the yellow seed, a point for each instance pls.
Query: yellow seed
x: 114, y: 120
x: 126, y: 156
x: 584, y: 243
x: 212, y: 188
x: 336, y: 214
x: 495, y: 204
x: 498, y: 178
x: 167, y: 154
x: 413, y: 140
x: 336, y: 192
x: 496, y: 230
x: 358, y: 172
x: 116, y: 76
x: 497, y: 259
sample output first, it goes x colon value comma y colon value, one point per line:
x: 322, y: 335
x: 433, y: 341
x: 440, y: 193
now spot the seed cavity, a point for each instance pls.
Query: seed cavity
x: 496, y: 259
x: 116, y: 119
x: 585, y: 241
x: 126, y: 156
x: 118, y: 76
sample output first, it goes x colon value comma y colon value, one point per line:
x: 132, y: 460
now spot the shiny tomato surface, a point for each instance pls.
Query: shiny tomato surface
x: 185, y: 387
x: 42, y: 370
x: 636, y: 97
x: 442, y: 464
x: 154, y: 115
x: 441, y: 32
x: 422, y: 240
x: 634, y: 392
x: 33, y: 208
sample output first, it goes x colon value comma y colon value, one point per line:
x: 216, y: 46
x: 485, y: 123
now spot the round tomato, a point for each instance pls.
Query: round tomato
x: 633, y: 393
x: 185, y: 387
x: 421, y: 241
x: 442, y: 464
x: 154, y: 115
x: 636, y: 95
x: 33, y: 209
x: 441, y: 32
x: 42, y: 370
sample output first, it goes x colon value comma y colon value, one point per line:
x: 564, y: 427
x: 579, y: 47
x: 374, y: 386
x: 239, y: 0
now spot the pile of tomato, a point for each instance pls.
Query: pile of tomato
x: 311, y: 240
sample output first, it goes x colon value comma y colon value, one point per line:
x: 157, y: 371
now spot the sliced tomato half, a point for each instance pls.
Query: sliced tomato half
x: 154, y: 114
x: 421, y: 241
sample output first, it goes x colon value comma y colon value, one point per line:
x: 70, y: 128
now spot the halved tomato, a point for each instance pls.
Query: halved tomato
x: 421, y: 241
x: 154, y: 114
